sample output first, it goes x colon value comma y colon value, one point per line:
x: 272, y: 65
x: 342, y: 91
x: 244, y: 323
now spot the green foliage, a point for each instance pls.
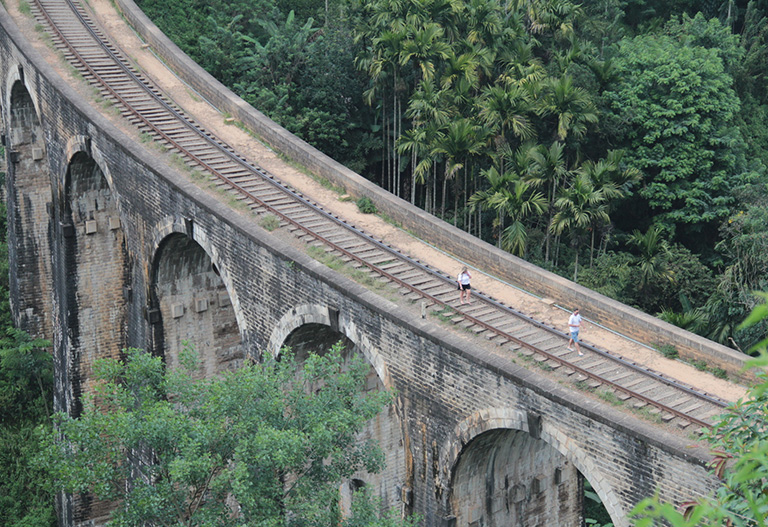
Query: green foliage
x: 595, y: 514
x: 26, y: 398
x: 739, y: 444
x: 366, y: 205
x: 281, y: 61
x: 668, y: 351
x: 677, y: 107
x: 659, y: 277
x: 26, y: 395
x: 24, y: 8
x: 612, y: 275
x: 745, y: 246
x: 276, y: 438
x: 270, y: 222
x: 477, y: 109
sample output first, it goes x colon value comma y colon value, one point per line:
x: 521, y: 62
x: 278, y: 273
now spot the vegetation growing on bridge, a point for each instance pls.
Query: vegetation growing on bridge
x: 267, y: 444
x: 621, y: 143
x: 740, y: 448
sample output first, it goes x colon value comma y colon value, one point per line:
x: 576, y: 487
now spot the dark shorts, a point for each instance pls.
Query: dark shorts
x: 465, y: 287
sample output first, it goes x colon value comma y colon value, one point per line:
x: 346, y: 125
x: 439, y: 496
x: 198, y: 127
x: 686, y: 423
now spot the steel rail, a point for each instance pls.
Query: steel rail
x: 270, y: 179
x: 379, y: 245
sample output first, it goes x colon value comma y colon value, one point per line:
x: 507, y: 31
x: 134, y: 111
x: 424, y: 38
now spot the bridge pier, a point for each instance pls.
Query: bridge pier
x: 111, y: 246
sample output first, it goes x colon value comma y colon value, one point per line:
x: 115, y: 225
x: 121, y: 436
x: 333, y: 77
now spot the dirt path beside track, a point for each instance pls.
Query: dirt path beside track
x: 258, y: 153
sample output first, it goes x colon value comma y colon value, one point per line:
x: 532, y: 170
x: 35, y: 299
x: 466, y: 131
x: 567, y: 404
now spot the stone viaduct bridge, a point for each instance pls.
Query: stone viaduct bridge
x: 110, y: 248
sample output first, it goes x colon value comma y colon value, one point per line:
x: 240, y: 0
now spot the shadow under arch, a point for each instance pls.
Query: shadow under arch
x: 189, y: 302
x: 94, y: 271
x: 29, y: 198
x: 326, y: 319
x: 498, y: 468
x: 315, y: 328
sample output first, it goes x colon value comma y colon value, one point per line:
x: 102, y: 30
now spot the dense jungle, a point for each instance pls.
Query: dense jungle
x: 620, y: 143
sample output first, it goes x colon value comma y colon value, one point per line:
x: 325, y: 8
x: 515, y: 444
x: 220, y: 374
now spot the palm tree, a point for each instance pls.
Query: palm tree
x: 572, y: 106
x: 458, y: 142
x: 548, y: 168
x: 426, y: 109
x: 553, y: 16
x: 503, y: 109
x: 578, y: 206
x: 652, y: 262
x: 423, y: 45
x: 382, y: 66
x: 521, y: 67
x: 511, y: 197
x: 519, y: 202
x: 457, y: 68
x: 614, y: 183
x: 486, y: 198
x: 484, y: 21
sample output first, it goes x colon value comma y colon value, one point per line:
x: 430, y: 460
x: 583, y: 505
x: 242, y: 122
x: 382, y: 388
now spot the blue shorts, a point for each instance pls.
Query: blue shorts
x: 575, y: 335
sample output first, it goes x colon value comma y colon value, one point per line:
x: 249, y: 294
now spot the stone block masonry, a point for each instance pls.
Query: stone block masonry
x: 603, y: 310
x: 460, y: 412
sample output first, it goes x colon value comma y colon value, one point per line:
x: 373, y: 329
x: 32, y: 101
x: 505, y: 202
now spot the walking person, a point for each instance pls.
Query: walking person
x: 464, y: 287
x: 574, y: 324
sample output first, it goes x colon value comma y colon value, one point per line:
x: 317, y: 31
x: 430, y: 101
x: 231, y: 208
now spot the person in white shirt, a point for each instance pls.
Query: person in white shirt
x: 464, y: 288
x: 574, y: 324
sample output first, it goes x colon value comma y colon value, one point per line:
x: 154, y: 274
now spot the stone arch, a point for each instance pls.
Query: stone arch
x: 388, y: 427
x: 181, y: 225
x: 30, y: 196
x: 346, y: 490
x: 491, y: 425
x: 324, y: 315
x: 93, y: 266
x: 189, y: 301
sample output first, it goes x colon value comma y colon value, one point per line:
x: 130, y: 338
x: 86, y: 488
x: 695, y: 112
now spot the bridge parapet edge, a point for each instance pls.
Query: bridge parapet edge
x: 597, y: 307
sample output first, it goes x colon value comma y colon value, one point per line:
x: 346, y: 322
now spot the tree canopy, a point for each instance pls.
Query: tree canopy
x: 551, y: 128
x: 740, y: 447
x: 267, y: 444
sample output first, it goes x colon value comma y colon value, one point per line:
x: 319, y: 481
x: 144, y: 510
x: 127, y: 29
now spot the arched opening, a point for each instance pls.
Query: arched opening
x: 385, y: 429
x: 95, y: 271
x: 508, y: 478
x: 346, y: 492
x: 317, y: 338
x: 190, y: 303
x: 29, y: 200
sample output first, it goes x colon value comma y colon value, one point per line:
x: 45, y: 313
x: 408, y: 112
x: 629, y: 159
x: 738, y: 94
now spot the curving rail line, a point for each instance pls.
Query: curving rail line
x: 84, y: 45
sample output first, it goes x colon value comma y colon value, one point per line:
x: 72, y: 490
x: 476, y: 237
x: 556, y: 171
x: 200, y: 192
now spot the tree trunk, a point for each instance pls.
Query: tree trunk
x: 384, y: 156
x: 413, y: 177
x: 434, y: 186
x: 549, y: 222
x: 398, y: 130
x: 455, y: 201
x: 576, y: 266
x: 501, y: 228
x: 445, y: 191
x: 464, y: 211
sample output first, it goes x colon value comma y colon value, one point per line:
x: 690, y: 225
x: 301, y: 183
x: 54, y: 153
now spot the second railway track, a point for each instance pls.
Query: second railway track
x: 101, y: 63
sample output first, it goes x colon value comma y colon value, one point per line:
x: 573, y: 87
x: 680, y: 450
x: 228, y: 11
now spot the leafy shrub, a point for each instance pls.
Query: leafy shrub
x: 719, y: 373
x: 668, y: 351
x: 366, y: 206
x: 270, y: 222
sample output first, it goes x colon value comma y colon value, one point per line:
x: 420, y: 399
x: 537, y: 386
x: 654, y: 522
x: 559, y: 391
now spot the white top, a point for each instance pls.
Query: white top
x: 574, y: 322
x: 463, y: 278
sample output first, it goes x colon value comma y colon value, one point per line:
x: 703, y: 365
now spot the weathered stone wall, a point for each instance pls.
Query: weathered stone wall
x: 599, y: 308
x: 449, y: 392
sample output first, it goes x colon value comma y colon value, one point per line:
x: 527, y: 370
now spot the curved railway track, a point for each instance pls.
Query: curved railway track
x: 91, y: 53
